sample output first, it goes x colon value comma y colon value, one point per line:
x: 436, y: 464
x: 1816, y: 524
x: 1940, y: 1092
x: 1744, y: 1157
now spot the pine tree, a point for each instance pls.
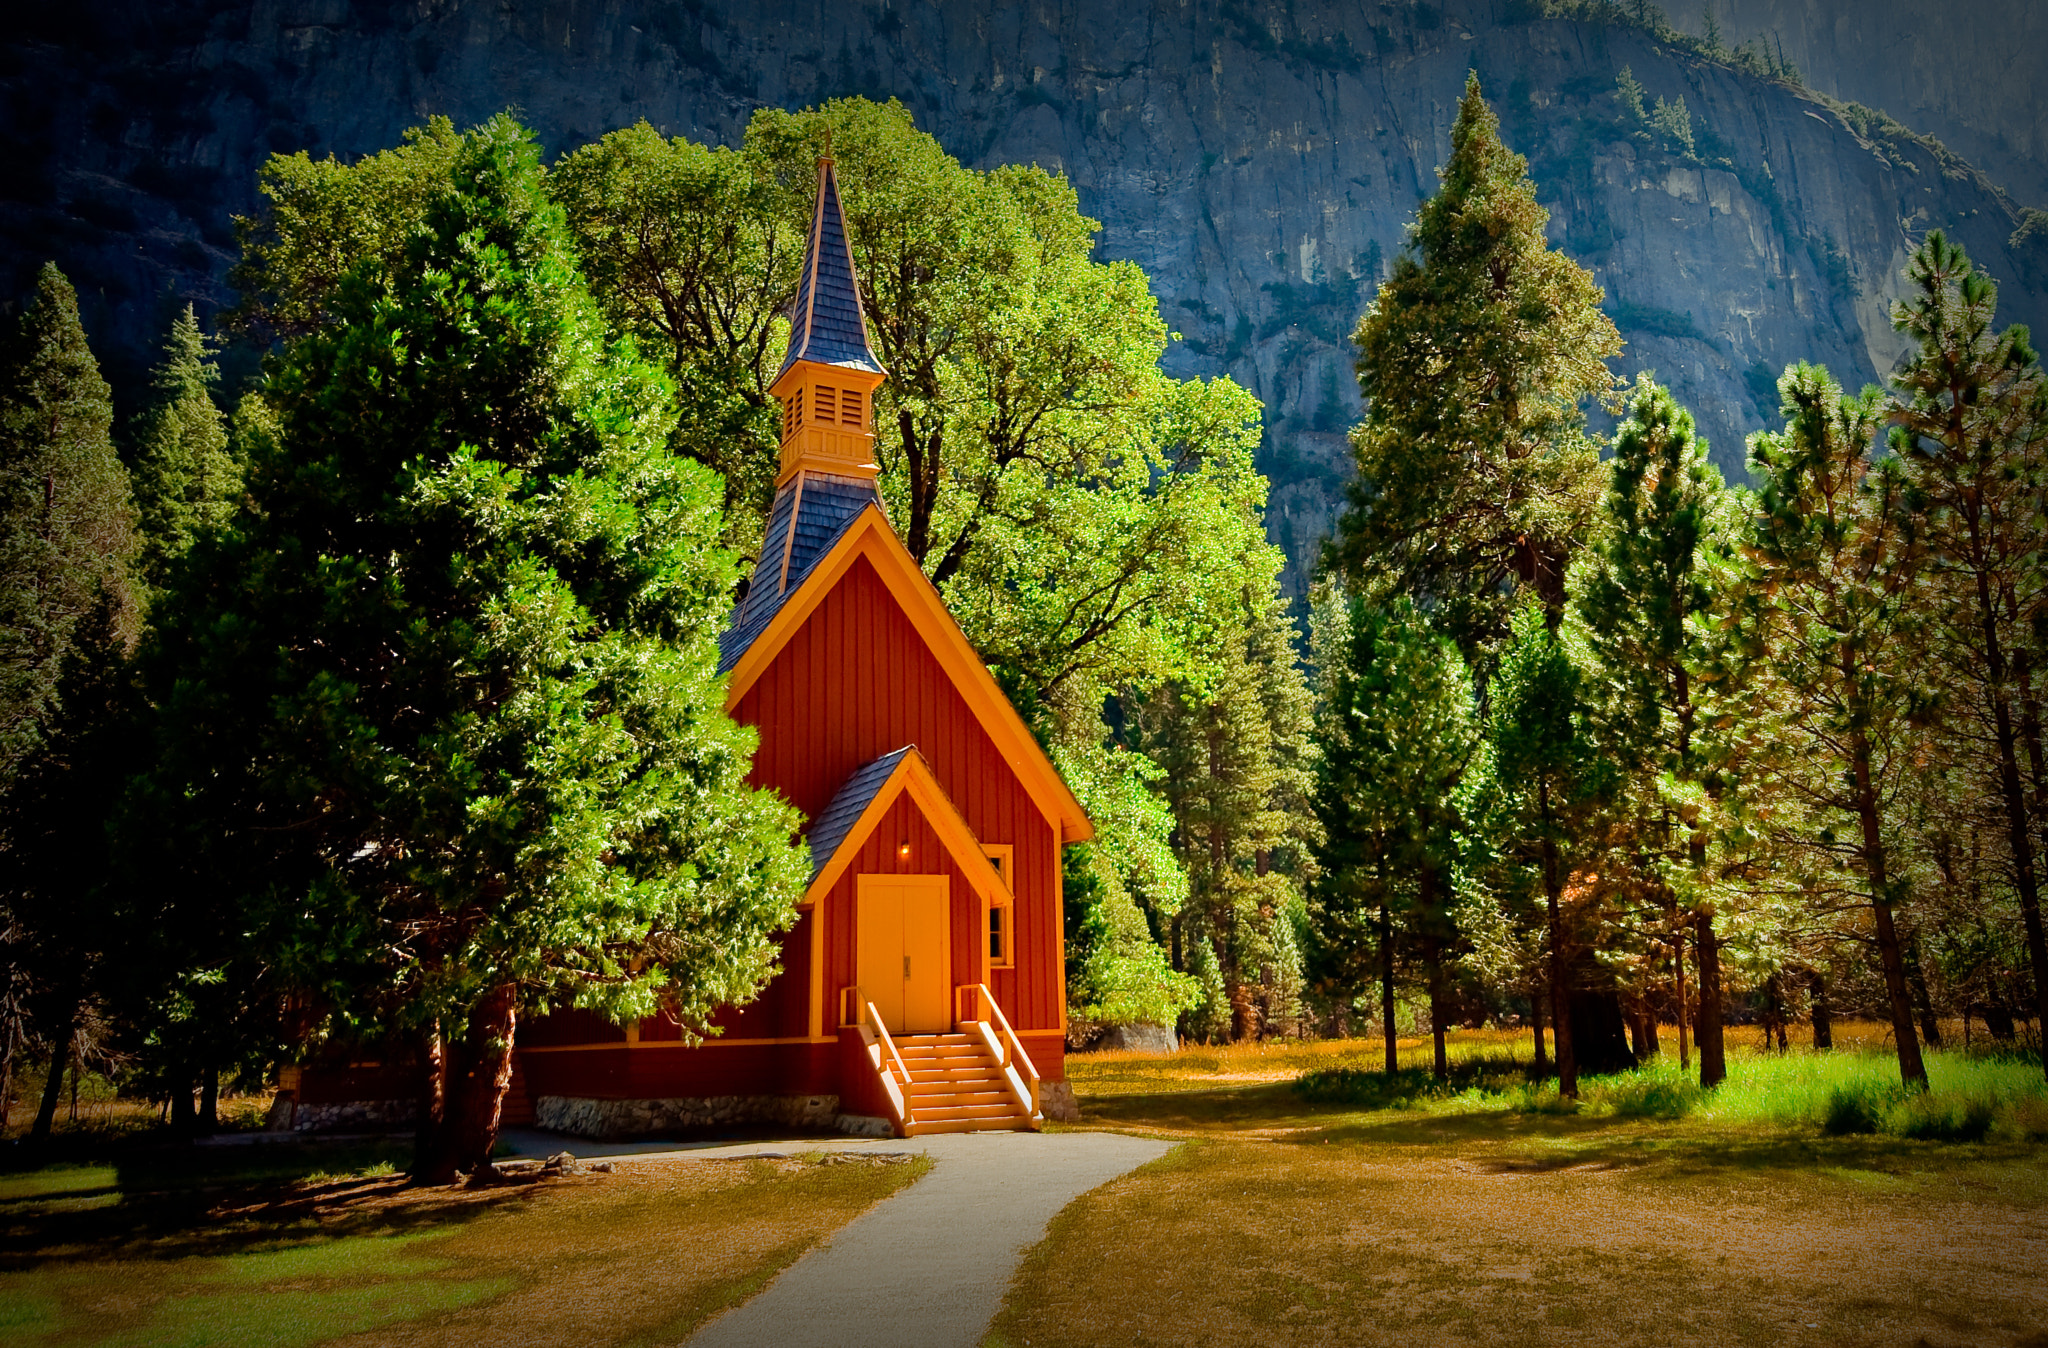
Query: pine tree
x: 55, y: 875
x: 1971, y: 428
x: 1397, y: 731
x: 1650, y: 590
x: 1828, y: 612
x: 66, y: 525
x: 1233, y: 753
x: 185, y: 478
x: 1559, y: 781
x: 452, y: 682
x: 1475, y: 472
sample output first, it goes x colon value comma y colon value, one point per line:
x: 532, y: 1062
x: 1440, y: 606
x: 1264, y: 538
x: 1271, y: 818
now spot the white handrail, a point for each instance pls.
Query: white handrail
x: 1013, y: 1055
x: 889, y: 1069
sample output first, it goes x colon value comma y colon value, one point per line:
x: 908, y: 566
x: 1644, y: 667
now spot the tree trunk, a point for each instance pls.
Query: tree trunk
x: 1707, y: 954
x: 182, y: 1117
x: 1432, y: 951
x: 1560, y: 986
x: 53, y: 1085
x: 476, y: 1095
x: 1536, y: 997
x: 209, y: 1101
x: 2012, y: 795
x: 1911, y: 1069
x: 1823, y: 1023
x: 430, y: 1138
x: 1916, y: 979
x: 1678, y: 980
x: 1387, y: 988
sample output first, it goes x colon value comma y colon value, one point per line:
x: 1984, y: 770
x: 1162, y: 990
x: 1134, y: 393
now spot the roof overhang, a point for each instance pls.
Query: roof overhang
x: 912, y: 777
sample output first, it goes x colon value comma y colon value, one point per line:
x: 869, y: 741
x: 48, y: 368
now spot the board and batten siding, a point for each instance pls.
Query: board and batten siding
x: 855, y: 682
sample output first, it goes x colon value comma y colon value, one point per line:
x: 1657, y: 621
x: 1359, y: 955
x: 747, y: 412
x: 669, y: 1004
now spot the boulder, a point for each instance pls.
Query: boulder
x: 1140, y: 1039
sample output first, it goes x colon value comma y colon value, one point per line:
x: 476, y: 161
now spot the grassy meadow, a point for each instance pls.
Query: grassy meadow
x: 1317, y: 1200
x: 282, y: 1246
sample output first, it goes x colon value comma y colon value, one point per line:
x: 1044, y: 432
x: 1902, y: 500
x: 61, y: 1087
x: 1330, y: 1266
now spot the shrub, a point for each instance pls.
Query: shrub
x: 1936, y: 1118
x: 1645, y: 1097
x: 1856, y: 1107
x: 2026, y: 1118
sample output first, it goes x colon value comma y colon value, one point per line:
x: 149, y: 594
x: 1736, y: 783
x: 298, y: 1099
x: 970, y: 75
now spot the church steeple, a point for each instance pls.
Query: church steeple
x: 827, y: 383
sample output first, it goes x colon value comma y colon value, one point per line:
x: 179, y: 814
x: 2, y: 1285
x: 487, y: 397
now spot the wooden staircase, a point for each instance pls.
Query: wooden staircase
x: 976, y: 1078
x: 957, y: 1086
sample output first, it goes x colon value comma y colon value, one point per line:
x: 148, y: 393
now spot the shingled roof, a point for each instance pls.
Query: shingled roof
x: 814, y: 507
x: 827, y: 323
x: 848, y: 805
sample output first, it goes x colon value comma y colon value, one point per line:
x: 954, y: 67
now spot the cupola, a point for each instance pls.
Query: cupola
x: 827, y: 383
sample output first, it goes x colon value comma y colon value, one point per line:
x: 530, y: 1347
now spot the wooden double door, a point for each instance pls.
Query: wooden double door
x: 904, y: 960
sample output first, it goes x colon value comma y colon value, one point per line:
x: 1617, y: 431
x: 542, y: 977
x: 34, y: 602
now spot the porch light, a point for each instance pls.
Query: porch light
x: 903, y: 849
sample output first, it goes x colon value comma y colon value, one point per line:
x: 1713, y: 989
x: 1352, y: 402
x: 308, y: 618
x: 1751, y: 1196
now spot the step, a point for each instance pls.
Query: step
x: 907, y: 1042
x: 943, y: 1066
x: 998, y: 1109
x: 1016, y: 1123
x: 978, y: 1081
x: 946, y: 1099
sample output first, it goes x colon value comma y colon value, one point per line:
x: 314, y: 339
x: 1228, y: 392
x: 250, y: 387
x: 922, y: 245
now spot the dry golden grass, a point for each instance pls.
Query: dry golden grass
x: 1289, y: 1223
x: 642, y: 1255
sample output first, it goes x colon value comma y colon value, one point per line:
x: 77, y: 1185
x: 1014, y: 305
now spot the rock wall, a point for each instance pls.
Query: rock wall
x: 1970, y: 74
x: 1260, y: 159
x: 608, y: 1119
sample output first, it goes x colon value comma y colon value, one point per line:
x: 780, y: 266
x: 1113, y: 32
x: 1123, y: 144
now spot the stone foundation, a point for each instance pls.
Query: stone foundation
x: 612, y: 1119
x: 343, y: 1116
x: 864, y: 1125
x: 1056, y: 1102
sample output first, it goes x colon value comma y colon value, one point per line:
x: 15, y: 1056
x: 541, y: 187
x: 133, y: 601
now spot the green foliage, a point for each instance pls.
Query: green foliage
x: 66, y: 522
x: 324, y: 220
x: 1651, y: 321
x: 1970, y: 427
x: 1858, y: 1107
x: 186, y: 479
x: 1668, y: 124
x: 1827, y: 623
x: 1231, y: 744
x: 462, y: 651
x: 692, y: 249
x: 1475, y: 472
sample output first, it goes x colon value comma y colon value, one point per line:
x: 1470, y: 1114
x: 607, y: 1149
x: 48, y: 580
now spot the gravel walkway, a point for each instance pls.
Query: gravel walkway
x: 926, y: 1268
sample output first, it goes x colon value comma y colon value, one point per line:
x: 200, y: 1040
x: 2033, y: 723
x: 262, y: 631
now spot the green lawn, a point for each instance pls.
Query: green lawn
x: 290, y: 1246
x: 1486, y: 1211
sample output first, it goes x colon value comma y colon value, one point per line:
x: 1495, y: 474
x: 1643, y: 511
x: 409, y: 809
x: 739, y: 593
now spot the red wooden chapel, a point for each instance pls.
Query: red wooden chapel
x: 921, y: 988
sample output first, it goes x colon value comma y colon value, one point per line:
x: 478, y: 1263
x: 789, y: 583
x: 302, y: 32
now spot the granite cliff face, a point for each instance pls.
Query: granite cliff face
x: 1259, y: 159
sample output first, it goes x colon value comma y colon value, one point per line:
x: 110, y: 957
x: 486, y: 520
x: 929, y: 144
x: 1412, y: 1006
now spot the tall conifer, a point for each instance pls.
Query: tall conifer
x: 66, y: 525
x: 1646, y: 602
x: 1971, y: 428
x: 185, y: 478
x: 453, y: 681
x: 1475, y: 471
x: 1829, y: 611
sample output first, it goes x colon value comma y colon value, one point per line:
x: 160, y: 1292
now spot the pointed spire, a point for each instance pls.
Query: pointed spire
x: 827, y: 323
